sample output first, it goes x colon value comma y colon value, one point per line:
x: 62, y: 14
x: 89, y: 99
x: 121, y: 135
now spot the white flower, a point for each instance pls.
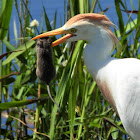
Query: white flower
x: 34, y: 23
x: 64, y: 63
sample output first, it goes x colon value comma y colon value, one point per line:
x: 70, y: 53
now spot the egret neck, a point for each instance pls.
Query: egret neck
x: 97, y: 53
x: 97, y: 56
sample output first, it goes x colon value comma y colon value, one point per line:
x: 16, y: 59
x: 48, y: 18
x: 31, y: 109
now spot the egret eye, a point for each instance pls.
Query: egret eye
x: 72, y: 30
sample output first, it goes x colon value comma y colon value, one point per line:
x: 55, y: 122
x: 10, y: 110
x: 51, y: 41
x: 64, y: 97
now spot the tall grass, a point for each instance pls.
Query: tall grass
x: 84, y: 113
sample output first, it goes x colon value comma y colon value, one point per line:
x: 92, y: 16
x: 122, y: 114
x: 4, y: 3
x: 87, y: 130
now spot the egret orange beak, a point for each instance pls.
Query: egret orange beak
x: 55, y: 32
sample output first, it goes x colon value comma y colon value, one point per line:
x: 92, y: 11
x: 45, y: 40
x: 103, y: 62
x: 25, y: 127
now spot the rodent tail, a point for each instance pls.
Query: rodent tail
x: 48, y: 89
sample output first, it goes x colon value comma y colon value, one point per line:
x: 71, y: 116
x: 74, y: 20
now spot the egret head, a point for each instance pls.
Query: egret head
x: 81, y: 27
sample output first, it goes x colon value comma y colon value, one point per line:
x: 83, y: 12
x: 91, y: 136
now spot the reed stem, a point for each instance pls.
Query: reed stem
x: 1, y: 46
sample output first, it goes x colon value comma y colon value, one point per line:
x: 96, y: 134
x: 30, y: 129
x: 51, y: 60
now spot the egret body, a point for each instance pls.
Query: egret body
x: 117, y: 79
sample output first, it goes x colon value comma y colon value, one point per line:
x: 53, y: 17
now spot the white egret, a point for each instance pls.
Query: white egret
x: 117, y: 79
